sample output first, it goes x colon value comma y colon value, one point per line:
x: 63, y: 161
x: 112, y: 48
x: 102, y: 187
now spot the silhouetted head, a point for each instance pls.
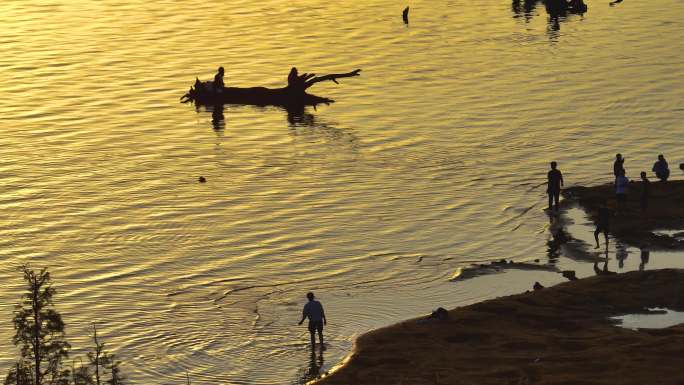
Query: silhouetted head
x: 294, y: 71
x: 310, y: 296
x: 220, y: 70
x: 661, y: 157
x: 643, y: 175
x: 554, y: 165
x: 618, y: 156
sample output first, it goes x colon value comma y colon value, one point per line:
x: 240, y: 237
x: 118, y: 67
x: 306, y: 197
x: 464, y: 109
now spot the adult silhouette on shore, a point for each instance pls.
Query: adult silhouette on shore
x: 618, y: 165
x: 661, y: 168
x: 313, y: 310
x: 621, y: 185
x: 555, y: 182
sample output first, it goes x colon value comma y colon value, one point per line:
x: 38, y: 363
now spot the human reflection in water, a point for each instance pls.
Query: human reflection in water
x: 605, y: 270
x: 557, y: 10
x: 313, y: 371
x: 620, y: 254
x: 298, y: 116
x: 523, y: 8
x: 645, y: 256
x: 559, y: 236
x: 217, y: 119
x: 304, y: 124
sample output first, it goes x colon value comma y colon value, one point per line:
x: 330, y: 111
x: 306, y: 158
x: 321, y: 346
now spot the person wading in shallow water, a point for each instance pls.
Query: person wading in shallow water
x: 313, y: 310
x: 555, y: 179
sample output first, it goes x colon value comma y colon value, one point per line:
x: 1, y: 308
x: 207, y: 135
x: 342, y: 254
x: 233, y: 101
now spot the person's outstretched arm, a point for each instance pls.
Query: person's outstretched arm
x: 303, y: 316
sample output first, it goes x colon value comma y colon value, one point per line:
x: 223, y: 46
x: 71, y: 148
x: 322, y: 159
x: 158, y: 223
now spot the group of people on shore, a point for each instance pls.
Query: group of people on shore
x: 660, y: 168
x: 313, y: 310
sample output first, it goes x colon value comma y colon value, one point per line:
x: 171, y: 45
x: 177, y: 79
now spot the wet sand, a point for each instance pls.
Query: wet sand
x: 558, y: 335
x: 501, y: 266
x: 633, y: 225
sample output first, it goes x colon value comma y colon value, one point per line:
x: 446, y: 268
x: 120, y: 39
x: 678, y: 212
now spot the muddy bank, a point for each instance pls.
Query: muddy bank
x: 633, y: 225
x: 501, y: 266
x: 558, y: 335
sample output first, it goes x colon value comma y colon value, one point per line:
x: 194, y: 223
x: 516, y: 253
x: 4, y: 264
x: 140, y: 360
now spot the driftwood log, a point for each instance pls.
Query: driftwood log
x: 293, y: 95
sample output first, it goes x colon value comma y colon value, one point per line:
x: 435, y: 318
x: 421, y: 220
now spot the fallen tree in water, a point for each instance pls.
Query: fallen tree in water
x: 294, y: 94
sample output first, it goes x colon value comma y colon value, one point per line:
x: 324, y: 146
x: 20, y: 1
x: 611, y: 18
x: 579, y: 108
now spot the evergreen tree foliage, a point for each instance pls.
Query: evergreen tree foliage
x: 100, y: 364
x: 40, y: 335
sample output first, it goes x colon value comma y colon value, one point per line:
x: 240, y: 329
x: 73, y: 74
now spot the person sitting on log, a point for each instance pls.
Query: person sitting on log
x: 297, y: 82
x: 294, y: 81
x: 293, y: 78
x: 218, y: 81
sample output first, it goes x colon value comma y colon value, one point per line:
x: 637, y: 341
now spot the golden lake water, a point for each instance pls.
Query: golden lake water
x: 433, y: 159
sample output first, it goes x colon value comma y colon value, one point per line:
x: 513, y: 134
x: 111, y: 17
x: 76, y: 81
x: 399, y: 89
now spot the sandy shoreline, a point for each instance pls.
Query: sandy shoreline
x: 559, y: 335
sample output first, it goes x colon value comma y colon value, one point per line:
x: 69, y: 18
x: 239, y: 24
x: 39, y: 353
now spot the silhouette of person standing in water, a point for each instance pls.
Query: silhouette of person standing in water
x: 313, y: 310
x: 218, y: 81
x: 555, y: 182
